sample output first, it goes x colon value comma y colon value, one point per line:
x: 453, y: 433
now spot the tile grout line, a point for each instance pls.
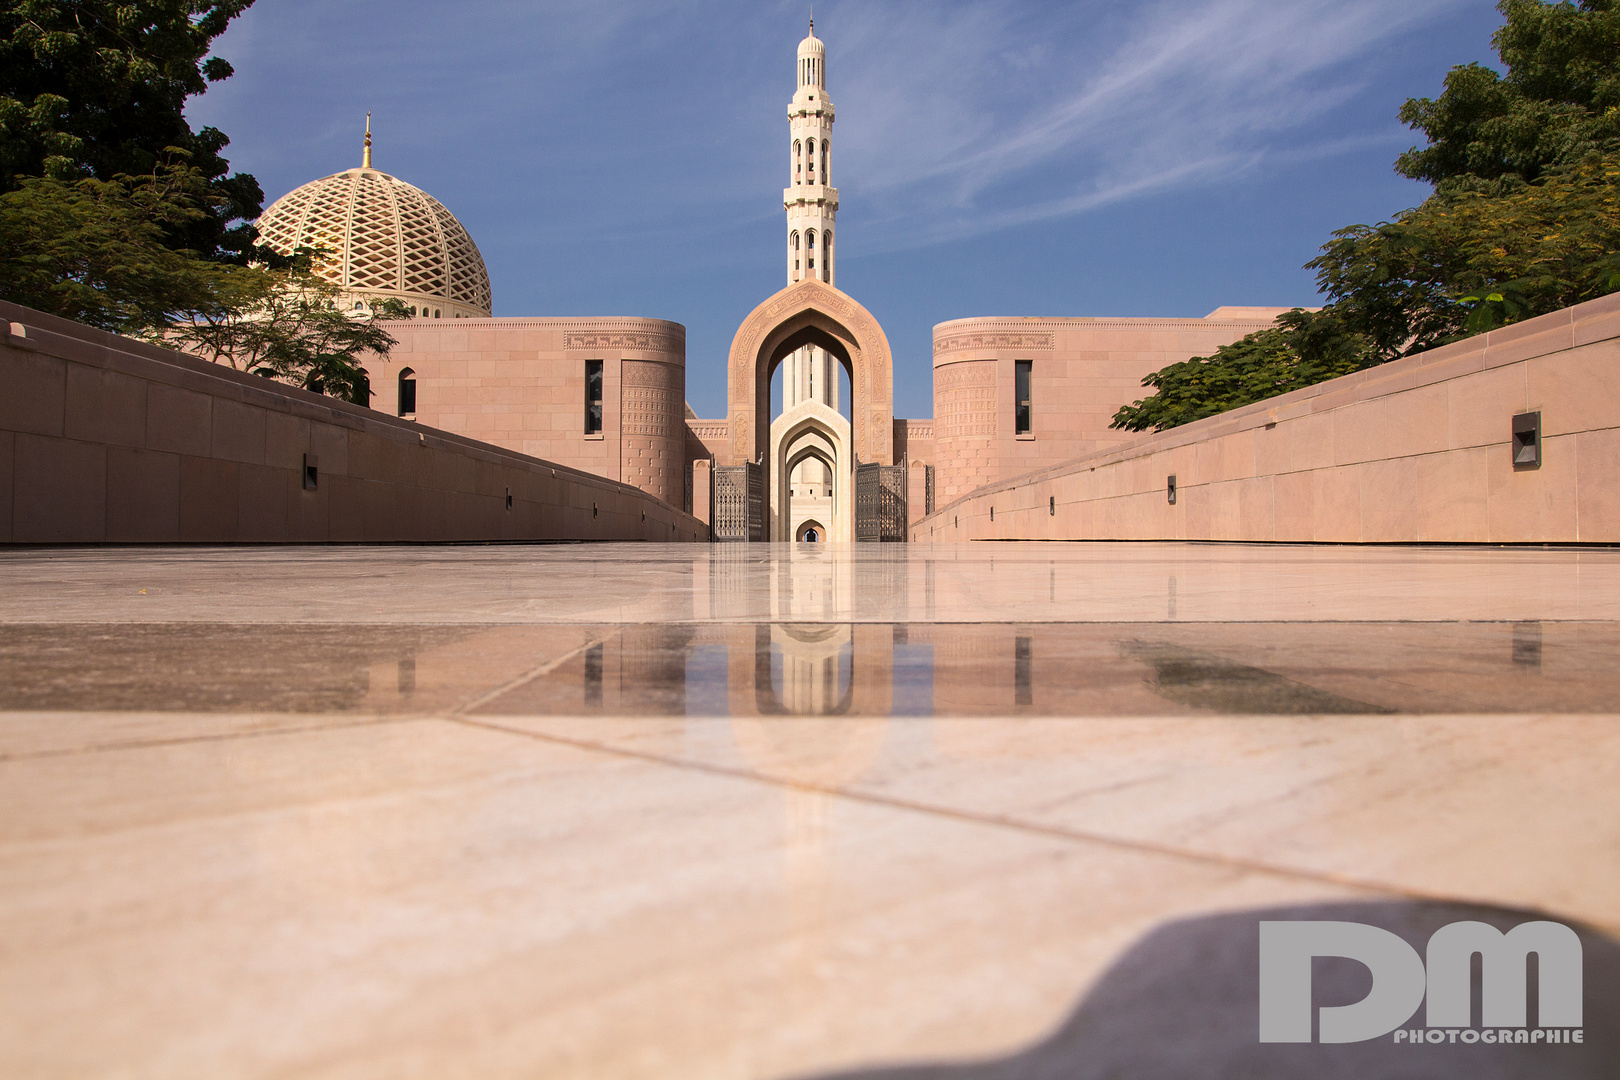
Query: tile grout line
x: 527, y: 677
x: 181, y: 740
x: 1000, y: 821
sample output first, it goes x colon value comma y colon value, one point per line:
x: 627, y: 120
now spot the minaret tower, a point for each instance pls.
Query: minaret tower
x: 810, y: 199
x: 811, y: 203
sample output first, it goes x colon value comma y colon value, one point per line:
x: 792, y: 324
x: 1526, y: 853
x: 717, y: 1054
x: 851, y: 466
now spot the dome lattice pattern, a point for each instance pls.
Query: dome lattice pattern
x: 386, y: 237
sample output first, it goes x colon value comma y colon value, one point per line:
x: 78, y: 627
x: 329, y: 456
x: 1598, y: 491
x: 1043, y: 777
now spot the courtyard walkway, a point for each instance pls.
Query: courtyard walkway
x: 770, y: 811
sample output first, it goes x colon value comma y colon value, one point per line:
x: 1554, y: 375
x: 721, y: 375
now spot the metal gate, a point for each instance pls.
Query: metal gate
x: 739, y: 503
x: 880, y: 503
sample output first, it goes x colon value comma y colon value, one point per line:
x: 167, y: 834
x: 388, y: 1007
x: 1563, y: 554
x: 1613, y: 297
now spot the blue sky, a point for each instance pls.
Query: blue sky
x: 1016, y: 158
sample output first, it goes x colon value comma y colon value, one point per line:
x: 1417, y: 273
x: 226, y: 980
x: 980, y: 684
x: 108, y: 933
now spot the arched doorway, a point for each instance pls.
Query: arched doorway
x: 812, y: 532
x: 810, y: 313
x: 811, y: 439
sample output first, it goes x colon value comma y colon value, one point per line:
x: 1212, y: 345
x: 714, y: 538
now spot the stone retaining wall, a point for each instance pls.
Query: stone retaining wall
x: 108, y: 440
x: 1417, y: 450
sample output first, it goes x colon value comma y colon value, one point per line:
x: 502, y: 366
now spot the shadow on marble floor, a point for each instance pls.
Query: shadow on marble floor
x: 1182, y: 1004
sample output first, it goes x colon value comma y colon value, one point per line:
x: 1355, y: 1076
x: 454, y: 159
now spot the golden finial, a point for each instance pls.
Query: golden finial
x: 365, y: 162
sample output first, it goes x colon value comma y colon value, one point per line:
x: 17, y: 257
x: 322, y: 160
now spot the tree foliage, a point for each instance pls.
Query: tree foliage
x: 96, y: 251
x: 287, y: 325
x: 97, y: 89
x: 1524, y: 220
x: 1557, y: 104
x: 1302, y: 349
x: 113, y: 212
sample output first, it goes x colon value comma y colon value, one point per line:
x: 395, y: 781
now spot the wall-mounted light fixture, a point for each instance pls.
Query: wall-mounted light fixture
x: 1170, y: 489
x: 312, y: 472
x: 1527, y: 440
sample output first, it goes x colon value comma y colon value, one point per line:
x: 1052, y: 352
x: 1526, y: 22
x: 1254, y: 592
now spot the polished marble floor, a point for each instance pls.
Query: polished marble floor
x: 993, y: 810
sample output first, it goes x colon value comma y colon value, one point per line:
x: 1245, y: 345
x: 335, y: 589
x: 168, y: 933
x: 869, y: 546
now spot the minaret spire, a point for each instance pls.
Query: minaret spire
x: 810, y: 373
x: 810, y: 199
x: 365, y: 160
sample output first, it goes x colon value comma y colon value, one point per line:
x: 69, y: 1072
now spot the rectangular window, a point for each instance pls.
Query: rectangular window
x: 1022, y: 396
x: 593, y: 397
x: 407, y: 396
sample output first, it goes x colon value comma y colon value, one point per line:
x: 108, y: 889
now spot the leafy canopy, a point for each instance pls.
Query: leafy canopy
x: 94, y: 251
x: 97, y: 89
x: 1524, y: 220
x: 113, y: 212
x: 287, y: 325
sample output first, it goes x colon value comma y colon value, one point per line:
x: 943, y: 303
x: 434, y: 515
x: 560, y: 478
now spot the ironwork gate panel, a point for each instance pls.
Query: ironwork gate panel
x: 880, y: 503
x: 739, y: 503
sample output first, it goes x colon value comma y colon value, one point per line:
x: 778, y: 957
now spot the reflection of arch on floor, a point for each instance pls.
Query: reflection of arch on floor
x: 812, y: 532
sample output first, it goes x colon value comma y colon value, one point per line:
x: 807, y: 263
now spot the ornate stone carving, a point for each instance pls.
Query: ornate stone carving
x: 621, y: 340
x: 965, y: 400
x: 982, y: 341
x: 650, y: 393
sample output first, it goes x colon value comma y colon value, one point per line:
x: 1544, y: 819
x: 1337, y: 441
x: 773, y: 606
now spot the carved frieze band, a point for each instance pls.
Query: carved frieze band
x: 982, y: 341
x: 616, y: 340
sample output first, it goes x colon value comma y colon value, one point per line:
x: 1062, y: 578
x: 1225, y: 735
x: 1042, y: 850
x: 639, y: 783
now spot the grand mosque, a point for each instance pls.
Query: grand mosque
x: 607, y: 395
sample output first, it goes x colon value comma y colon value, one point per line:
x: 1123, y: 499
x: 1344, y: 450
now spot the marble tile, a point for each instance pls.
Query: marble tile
x: 988, y: 810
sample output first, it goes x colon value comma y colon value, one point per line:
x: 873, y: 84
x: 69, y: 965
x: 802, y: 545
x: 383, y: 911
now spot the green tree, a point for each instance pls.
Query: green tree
x: 97, y: 89
x: 287, y: 325
x: 1304, y: 348
x: 1557, y: 104
x: 1524, y: 220
x: 96, y: 251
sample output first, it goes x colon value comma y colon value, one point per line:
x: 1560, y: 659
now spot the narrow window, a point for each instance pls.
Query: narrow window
x: 407, y: 392
x: 593, y: 397
x: 810, y: 239
x: 824, y: 161
x: 1022, y: 394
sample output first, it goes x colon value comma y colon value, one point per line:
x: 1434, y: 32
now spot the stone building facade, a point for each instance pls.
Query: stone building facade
x: 607, y: 396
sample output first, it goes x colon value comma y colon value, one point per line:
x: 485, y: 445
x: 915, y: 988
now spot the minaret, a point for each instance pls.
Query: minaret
x: 811, y: 203
x: 810, y: 199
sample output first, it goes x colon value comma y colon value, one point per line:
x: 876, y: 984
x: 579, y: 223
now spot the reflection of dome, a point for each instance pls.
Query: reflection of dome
x: 386, y: 238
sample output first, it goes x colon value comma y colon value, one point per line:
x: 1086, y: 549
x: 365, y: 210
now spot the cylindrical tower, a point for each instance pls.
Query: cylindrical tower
x: 810, y: 199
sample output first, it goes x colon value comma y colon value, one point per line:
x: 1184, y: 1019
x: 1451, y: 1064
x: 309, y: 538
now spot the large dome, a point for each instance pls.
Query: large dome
x: 387, y: 239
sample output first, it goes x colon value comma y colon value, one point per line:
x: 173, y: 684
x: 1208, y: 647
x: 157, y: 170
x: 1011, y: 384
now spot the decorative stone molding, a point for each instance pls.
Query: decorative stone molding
x: 617, y: 340
x: 986, y: 341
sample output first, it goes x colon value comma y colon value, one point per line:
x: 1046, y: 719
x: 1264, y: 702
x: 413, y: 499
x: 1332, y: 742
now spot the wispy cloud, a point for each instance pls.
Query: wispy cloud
x: 964, y: 119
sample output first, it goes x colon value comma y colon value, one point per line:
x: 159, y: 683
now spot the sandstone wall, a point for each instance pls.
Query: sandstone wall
x: 108, y: 440
x: 1082, y: 371
x: 520, y: 383
x: 1418, y: 450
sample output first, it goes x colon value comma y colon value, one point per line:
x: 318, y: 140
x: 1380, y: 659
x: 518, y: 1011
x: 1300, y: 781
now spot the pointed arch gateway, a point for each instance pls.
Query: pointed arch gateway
x: 811, y: 312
